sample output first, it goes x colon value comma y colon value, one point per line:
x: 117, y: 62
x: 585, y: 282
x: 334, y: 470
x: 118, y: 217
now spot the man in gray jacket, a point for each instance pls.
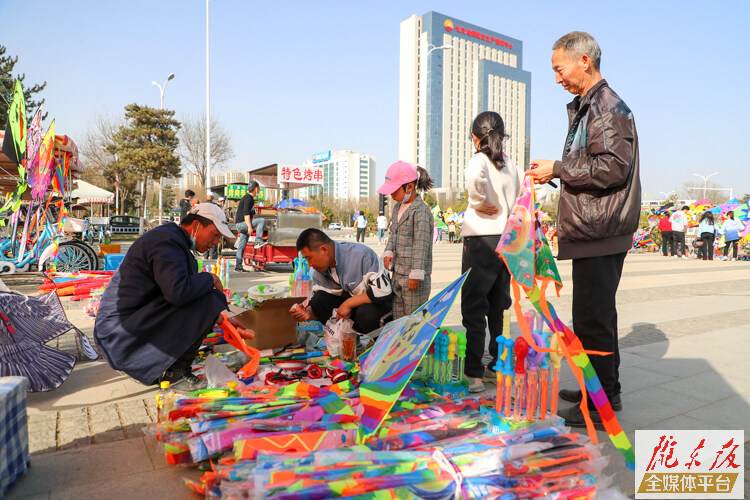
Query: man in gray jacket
x: 599, y: 205
x: 349, y: 277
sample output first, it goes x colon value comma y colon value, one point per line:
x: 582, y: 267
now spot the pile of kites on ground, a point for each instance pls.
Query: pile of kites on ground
x: 366, y: 429
x: 644, y: 237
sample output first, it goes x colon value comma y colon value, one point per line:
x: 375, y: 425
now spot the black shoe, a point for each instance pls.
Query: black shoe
x: 241, y: 270
x: 575, y: 397
x: 574, y: 417
x: 188, y: 383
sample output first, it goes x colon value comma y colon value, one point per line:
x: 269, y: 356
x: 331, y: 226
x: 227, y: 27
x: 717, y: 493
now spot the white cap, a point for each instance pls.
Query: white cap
x: 215, y: 214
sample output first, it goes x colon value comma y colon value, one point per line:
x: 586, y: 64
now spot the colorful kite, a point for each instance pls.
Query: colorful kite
x: 526, y: 252
x: 396, y: 355
x: 14, y: 147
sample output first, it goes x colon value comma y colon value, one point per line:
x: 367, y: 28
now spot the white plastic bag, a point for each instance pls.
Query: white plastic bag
x: 336, y: 331
x: 218, y: 375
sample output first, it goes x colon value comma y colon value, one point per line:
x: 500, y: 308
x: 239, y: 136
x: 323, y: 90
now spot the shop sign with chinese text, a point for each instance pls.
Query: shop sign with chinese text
x: 300, y: 174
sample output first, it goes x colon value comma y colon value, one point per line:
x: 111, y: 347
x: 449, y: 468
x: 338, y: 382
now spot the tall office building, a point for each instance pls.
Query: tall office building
x: 190, y: 180
x: 346, y: 174
x: 441, y: 90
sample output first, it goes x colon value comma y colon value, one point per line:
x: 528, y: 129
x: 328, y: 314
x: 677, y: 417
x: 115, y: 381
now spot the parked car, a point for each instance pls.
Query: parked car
x: 123, y: 224
x: 335, y: 225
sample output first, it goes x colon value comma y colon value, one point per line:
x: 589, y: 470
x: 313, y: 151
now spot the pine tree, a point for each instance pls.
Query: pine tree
x: 147, y: 143
x: 7, y: 79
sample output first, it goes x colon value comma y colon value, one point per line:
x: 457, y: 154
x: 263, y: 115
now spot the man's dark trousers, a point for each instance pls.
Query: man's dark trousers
x: 367, y: 317
x: 679, y: 242
x: 666, y: 241
x: 595, y: 282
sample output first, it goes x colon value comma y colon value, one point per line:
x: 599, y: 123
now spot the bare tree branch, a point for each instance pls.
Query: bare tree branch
x: 192, y: 149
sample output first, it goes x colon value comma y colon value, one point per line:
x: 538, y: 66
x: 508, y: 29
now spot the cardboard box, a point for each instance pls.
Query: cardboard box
x: 274, y: 327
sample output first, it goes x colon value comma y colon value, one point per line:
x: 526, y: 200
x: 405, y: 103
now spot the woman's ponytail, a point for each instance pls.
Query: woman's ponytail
x: 489, y: 128
x: 424, y: 182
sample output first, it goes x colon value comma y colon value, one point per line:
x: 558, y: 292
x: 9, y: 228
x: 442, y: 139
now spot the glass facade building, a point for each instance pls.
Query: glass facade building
x: 441, y: 90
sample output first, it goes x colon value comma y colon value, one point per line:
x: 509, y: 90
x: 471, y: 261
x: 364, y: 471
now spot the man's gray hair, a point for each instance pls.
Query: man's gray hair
x: 579, y: 43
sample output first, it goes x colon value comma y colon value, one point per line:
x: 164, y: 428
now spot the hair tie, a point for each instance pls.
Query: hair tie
x: 489, y: 130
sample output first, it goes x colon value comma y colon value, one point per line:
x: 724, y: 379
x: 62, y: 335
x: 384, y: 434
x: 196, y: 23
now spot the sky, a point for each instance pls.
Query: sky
x: 294, y: 78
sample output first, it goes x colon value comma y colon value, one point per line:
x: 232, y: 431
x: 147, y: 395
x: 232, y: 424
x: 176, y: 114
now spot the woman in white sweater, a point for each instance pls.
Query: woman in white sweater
x: 493, y: 182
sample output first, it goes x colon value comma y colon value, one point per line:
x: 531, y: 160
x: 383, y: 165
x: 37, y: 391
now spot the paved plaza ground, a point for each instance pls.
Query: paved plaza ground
x: 684, y: 329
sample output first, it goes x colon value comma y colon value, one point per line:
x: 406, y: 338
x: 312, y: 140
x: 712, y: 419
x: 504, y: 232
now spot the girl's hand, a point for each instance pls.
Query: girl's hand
x: 414, y: 284
x: 487, y: 210
x: 387, y: 262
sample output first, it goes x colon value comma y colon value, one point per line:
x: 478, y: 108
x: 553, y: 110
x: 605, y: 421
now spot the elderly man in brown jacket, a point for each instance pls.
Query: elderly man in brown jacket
x: 599, y: 205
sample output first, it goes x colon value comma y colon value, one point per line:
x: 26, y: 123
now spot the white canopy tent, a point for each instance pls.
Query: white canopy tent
x: 93, y: 195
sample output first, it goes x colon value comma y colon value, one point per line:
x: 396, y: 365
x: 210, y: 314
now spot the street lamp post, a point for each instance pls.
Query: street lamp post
x: 705, y: 181
x: 208, y: 107
x: 161, y: 106
x: 430, y: 48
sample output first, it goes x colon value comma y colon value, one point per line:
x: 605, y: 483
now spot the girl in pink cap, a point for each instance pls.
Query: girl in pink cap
x: 409, y: 248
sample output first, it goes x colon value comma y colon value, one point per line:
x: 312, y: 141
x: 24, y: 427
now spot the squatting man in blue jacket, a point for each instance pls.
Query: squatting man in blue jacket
x: 349, y: 277
x: 158, y: 308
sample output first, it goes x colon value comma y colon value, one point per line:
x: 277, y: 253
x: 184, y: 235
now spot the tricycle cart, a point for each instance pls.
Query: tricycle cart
x: 283, y: 225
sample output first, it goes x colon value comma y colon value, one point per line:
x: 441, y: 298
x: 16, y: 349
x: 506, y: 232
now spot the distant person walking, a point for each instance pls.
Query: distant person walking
x: 731, y: 231
x: 707, y: 232
x: 665, y: 228
x: 361, y: 227
x: 679, y: 222
x: 382, y: 226
x: 451, y: 231
x: 186, y: 203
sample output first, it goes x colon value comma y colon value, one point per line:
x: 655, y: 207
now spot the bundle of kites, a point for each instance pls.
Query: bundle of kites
x: 644, y: 236
x: 77, y: 286
x: 369, y: 432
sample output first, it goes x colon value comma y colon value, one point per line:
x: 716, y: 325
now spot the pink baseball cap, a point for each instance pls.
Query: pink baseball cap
x: 397, y: 175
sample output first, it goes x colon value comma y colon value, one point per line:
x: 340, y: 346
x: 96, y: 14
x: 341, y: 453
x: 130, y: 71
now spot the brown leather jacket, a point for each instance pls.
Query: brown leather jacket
x: 600, y: 197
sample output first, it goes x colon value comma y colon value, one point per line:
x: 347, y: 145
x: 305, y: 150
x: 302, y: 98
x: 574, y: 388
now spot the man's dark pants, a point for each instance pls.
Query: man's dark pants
x: 595, y: 282
x: 366, y: 317
x: 361, y: 234
x: 485, y: 294
x: 666, y: 241
x: 679, y: 242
